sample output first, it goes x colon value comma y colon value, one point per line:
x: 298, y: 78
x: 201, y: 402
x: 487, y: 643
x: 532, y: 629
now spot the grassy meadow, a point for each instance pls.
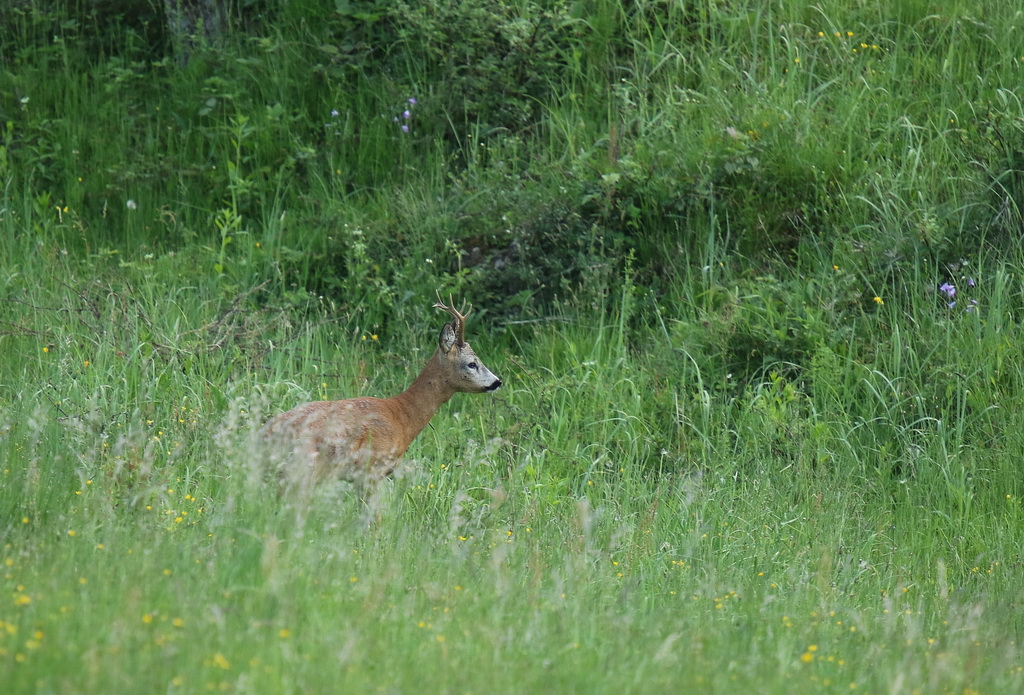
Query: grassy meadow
x: 752, y: 273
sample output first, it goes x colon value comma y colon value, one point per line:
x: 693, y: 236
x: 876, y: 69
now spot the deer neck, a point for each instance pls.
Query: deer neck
x: 424, y: 396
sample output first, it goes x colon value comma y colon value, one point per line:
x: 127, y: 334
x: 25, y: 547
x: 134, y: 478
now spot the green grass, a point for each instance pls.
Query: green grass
x: 744, y: 442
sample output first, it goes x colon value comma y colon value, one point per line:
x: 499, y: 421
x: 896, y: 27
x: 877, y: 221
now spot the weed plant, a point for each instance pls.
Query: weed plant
x: 751, y: 273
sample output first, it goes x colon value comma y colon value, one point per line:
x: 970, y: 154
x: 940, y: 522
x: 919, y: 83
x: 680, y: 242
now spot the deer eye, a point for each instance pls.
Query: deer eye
x: 472, y: 365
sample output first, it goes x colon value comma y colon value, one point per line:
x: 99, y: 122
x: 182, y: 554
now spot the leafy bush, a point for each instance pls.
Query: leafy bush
x: 488, y: 65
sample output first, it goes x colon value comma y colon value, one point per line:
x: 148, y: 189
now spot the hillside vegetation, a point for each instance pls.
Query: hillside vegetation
x: 751, y: 272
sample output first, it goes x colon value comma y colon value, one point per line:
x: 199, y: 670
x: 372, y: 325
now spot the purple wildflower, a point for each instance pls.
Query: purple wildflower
x: 407, y: 114
x: 970, y: 282
x: 950, y: 290
x: 405, y: 127
x: 412, y: 100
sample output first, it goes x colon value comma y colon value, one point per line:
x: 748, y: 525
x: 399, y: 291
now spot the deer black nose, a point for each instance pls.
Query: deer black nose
x: 495, y: 386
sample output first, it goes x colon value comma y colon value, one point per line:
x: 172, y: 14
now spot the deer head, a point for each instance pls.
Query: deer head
x: 466, y: 372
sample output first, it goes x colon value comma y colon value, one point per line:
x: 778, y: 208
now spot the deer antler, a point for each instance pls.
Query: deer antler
x: 459, y: 322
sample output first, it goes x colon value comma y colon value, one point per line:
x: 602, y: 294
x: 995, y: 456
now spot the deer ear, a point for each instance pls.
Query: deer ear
x: 446, y: 341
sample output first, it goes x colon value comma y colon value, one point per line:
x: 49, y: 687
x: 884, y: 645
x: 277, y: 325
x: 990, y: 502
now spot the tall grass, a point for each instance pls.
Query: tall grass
x: 750, y: 437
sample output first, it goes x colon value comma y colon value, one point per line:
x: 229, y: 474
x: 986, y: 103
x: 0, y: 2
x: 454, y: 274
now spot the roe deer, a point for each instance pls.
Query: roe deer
x: 362, y: 439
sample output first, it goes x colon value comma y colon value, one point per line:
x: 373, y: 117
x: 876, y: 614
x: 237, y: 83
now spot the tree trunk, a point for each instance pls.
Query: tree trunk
x: 192, y: 23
